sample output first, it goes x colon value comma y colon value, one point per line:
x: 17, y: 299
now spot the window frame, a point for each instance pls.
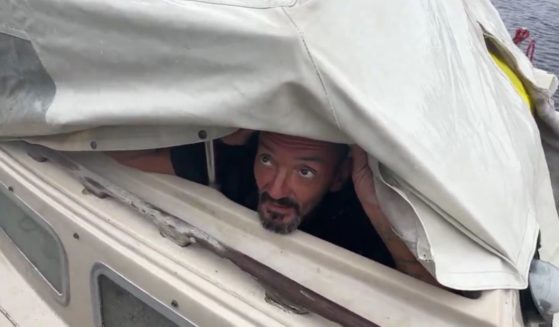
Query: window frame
x: 62, y: 296
x: 100, y: 269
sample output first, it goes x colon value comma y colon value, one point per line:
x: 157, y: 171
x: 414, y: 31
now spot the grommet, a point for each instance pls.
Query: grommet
x: 93, y: 145
x: 202, y: 134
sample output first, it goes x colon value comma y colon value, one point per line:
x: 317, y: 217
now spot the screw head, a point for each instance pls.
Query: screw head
x: 93, y: 145
x: 175, y: 304
x: 202, y: 134
x: 76, y: 236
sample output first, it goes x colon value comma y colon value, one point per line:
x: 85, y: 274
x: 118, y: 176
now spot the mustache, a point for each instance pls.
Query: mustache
x: 284, y: 202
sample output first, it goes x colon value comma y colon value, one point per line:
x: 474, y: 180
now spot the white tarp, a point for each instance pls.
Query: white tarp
x: 464, y: 177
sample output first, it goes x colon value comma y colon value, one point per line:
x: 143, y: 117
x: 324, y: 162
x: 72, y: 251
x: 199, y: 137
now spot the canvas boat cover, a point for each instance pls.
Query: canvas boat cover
x: 458, y: 158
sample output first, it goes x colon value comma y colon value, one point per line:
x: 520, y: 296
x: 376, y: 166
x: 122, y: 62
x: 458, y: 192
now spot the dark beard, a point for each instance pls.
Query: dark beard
x: 273, y: 222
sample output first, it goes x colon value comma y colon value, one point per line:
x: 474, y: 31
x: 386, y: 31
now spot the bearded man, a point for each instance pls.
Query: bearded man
x: 294, y: 183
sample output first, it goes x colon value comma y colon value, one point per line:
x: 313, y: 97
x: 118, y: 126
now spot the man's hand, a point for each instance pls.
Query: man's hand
x: 362, y: 177
x: 152, y: 161
x: 363, y: 182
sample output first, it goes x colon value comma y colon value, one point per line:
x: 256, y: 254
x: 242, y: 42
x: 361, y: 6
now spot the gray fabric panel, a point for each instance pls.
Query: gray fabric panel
x: 26, y: 89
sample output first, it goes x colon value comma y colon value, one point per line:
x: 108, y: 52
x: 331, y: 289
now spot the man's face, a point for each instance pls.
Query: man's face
x: 293, y: 174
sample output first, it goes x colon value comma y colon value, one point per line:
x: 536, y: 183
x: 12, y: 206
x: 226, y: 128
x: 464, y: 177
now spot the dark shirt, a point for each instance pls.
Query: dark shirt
x: 338, y: 219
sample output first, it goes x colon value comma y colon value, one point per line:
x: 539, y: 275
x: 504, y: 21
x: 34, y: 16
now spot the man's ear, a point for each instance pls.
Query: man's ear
x: 341, y: 175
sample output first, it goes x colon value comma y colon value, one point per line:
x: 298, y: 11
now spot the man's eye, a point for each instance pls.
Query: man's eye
x: 307, y: 173
x: 265, y: 160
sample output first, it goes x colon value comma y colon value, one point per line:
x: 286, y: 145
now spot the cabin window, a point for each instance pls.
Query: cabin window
x: 36, y: 241
x: 122, y: 304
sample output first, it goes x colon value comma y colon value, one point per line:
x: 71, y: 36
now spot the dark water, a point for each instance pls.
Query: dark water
x: 541, y: 17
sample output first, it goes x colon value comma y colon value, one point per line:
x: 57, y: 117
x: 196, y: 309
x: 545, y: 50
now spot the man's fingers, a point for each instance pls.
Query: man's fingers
x: 363, y: 182
x: 359, y: 158
x: 361, y: 173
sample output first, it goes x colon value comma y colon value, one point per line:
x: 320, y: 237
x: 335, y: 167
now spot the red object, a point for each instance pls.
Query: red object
x: 520, y: 36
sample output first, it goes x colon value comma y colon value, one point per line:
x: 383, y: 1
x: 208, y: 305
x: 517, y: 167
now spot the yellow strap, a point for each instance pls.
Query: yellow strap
x: 516, y: 82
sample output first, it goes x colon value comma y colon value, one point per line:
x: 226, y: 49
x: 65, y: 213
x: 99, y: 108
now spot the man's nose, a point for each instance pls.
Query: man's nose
x: 278, y: 185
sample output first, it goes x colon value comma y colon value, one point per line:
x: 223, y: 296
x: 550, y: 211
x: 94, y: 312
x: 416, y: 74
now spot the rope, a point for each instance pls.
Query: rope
x: 522, y: 34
